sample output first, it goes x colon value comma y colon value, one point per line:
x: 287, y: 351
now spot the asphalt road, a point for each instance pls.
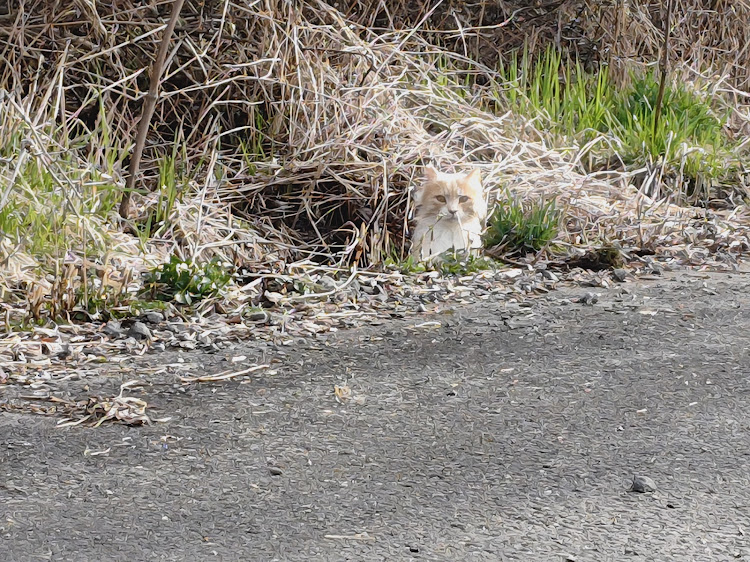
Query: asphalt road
x: 489, y: 432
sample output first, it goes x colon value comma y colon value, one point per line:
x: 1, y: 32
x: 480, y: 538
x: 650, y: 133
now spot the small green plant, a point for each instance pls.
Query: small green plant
x: 406, y: 266
x: 137, y: 307
x: 256, y: 146
x: 172, y: 186
x: 514, y: 227
x: 451, y: 262
x: 186, y: 282
x: 462, y: 263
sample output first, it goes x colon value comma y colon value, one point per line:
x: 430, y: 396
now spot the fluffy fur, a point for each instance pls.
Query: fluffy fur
x: 450, y: 213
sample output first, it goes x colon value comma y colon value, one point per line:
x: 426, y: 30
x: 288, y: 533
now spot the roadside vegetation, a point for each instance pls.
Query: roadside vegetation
x: 260, y: 165
x: 614, y: 126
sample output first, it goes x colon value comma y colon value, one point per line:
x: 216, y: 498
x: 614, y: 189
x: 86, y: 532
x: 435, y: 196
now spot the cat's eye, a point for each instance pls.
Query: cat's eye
x: 441, y: 198
x: 463, y: 199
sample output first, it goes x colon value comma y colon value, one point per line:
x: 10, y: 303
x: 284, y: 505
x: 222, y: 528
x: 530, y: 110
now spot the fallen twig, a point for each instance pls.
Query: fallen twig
x: 224, y: 376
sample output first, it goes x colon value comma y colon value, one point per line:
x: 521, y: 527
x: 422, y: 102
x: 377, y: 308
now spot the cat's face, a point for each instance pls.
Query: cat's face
x: 451, y: 197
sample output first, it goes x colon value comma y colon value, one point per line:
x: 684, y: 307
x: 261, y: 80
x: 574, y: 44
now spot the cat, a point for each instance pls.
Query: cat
x: 450, y: 214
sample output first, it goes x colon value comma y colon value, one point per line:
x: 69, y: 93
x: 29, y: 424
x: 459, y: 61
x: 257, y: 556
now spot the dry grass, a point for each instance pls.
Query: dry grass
x: 300, y: 131
x: 706, y: 34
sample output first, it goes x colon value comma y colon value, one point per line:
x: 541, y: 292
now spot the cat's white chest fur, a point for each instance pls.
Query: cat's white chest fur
x: 444, y: 235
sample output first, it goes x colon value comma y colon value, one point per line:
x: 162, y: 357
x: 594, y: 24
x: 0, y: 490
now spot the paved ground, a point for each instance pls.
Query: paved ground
x: 503, y: 433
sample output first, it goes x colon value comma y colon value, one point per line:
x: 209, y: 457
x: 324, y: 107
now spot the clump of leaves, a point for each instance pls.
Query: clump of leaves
x: 186, y: 282
x: 515, y: 227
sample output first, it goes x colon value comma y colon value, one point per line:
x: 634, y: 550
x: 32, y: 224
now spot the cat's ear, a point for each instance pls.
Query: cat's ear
x: 474, y: 177
x: 430, y: 173
x: 473, y: 181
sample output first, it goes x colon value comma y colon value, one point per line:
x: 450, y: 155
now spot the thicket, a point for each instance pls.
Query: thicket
x: 291, y: 132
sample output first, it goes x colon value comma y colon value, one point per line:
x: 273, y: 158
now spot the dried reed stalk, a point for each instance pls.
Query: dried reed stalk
x: 148, y: 108
x: 664, y: 70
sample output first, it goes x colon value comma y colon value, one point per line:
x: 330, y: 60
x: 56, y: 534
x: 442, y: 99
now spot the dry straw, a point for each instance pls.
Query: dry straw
x: 337, y: 106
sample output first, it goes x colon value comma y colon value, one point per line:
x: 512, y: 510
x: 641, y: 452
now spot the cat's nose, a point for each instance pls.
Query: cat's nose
x: 453, y: 211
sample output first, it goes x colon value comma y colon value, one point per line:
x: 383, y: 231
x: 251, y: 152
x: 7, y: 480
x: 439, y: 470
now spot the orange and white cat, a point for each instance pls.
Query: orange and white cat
x: 450, y: 213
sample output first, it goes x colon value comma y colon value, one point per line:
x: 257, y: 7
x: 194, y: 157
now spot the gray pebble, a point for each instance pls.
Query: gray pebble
x: 113, y: 328
x: 153, y: 317
x: 139, y: 331
x: 620, y: 275
x: 259, y: 317
x: 177, y: 328
x: 65, y: 351
x: 642, y: 484
x: 589, y: 299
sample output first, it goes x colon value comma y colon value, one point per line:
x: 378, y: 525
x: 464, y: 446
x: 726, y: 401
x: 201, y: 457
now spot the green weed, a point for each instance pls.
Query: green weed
x: 462, y: 263
x: 689, y: 138
x: 186, y: 282
x: 171, y: 189
x: 514, y: 227
x: 564, y: 100
x: 56, y: 203
x: 407, y: 266
x: 573, y: 106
